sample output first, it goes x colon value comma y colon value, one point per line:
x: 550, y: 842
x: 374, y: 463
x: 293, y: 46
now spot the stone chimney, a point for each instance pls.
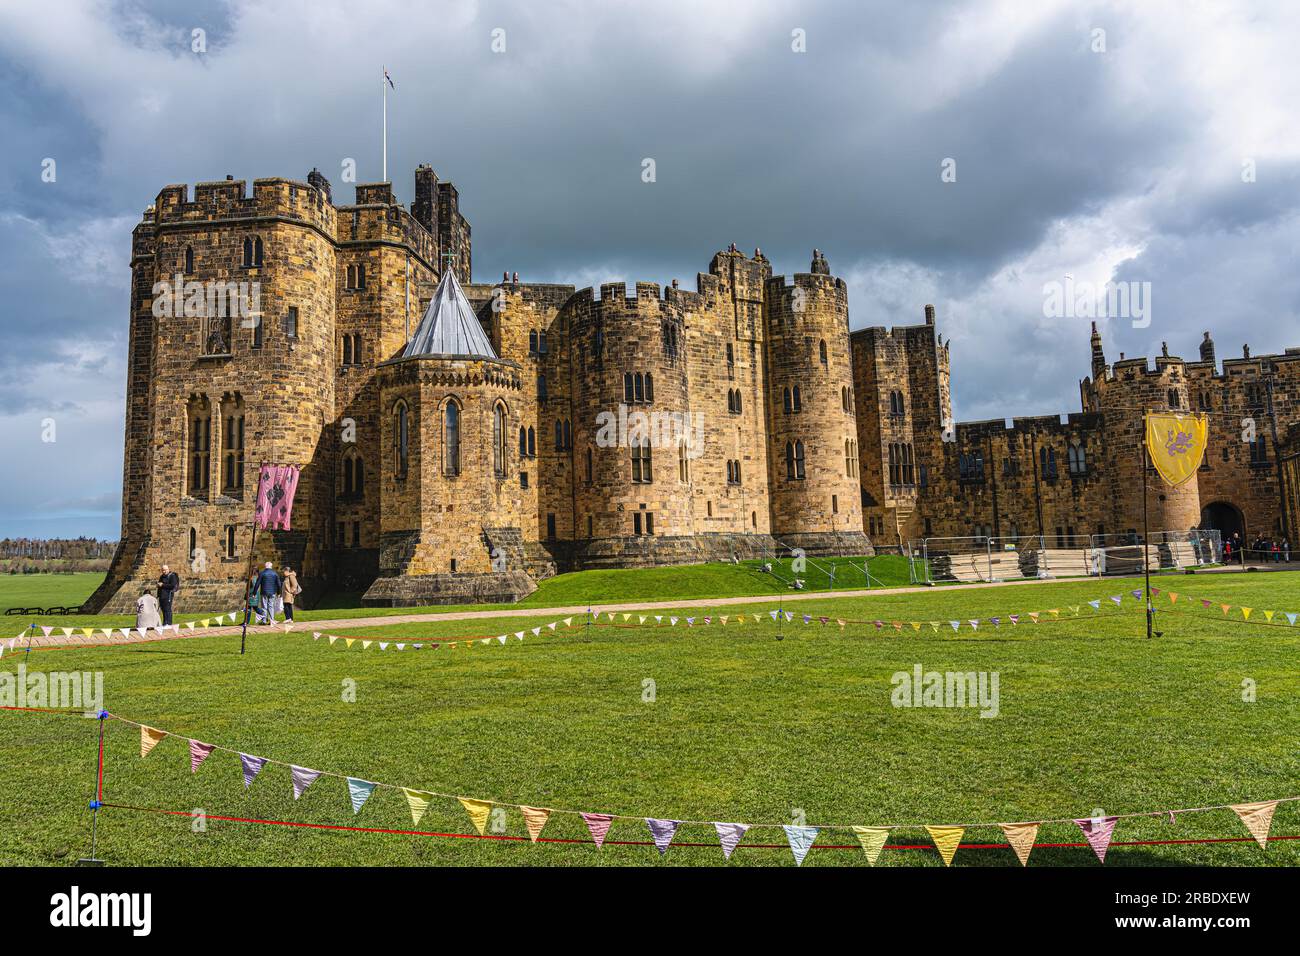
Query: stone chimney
x: 929, y: 315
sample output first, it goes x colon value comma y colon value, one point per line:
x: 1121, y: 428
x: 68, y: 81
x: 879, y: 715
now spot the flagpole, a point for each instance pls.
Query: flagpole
x: 248, y: 572
x: 1146, y: 562
x: 383, y: 83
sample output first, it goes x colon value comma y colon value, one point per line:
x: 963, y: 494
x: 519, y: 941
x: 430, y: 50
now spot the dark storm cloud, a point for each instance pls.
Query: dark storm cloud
x: 1120, y: 164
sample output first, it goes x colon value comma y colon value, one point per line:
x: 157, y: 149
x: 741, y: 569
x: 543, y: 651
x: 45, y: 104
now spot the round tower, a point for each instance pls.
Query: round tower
x: 812, y: 443
x: 633, y: 431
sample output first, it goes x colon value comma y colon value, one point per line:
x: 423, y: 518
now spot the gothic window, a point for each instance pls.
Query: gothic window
x: 895, y: 466
x: 798, y: 401
x: 401, y: 439
x: 909, y: 466
x: 291, y: 322
x: 568, y: 435
x: 499, y: 449
x: 541, y: 388
x: 1174, y: 401
x: 189, y: 260
x: 532, y: 342
x: 559, y: 435
x: 794, y: 460
x: 200, y: 436
x: 532, y: 442
x: 970, y: 466
x: 850, y: 457
x: 1259, y: 451
x: 230, y: 540
x: 257, y: 331
x: 232, y: 446
x: 786, y: 403
x: 194, y: 542
x: 451, y: 438
x: 523, y: 442
x: 731, y: 361
x: 541, y: 343
x: 347, y: 350
x: 638, y: 388
x: 822, y: 350
x: 683, y: 463
x: 1076, y: 461
x: 1047, y: 462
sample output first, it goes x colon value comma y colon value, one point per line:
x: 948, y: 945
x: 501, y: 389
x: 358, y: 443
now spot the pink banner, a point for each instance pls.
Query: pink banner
x: 275, y: 489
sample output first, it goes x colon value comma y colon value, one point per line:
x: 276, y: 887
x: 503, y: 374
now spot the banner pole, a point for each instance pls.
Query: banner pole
x: 248, y: 571
x: 1146, y: 562
x: 98, y: 800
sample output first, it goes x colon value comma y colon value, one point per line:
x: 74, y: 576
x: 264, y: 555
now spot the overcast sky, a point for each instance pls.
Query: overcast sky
x: 1122, y: 155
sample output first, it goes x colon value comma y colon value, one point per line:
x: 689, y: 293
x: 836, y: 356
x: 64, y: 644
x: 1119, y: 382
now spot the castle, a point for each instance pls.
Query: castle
x: 459, y: 441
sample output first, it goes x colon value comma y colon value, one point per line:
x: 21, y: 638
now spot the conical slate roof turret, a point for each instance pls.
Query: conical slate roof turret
x: 449, y: 326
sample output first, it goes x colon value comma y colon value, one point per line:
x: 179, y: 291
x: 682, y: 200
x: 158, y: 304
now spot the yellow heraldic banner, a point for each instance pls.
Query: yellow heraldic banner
x: 1176, y: 444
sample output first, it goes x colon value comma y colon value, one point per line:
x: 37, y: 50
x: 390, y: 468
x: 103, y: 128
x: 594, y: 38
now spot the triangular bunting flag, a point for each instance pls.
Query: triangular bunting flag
x: 359, y: 792
x: 1021, y: 836
x: 801, y: 841
x: 1173, y: 597
x: 198, y: 753
x: 598, y: 824
x: 947, y: 839
x: 662, y: 831
x: 1095, y: 605
x: 1290, y: 617
x: 872, y: 840
x: 1098, y: 832
x: 252, y: 767
x: 303, y: 777
x: 149, y: 739
x: 956, y: 625
x: 478, y: 811
x: 333, y: 639
x: 774, y: 614
x: 365, y: 645
x: 1258, y: 817
x: 730, y: 835
x: 534, y: 819
x: 350, y: 641
x: 1245, y: 614
x: 1268, y: 615
x: 418, y: 802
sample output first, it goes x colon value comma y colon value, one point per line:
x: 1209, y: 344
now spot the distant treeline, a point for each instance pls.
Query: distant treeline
x: 56, y: 549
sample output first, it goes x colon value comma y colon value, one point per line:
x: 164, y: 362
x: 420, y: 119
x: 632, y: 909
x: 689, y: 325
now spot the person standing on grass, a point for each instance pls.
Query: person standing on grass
x: 146, y: 613
x: 290, y: 590
x: 268, y: 586
x: 252, y: 605
x: 168, y: 584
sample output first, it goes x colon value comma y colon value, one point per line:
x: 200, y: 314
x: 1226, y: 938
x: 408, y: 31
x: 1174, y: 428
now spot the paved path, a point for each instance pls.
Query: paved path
x: 349, y: 624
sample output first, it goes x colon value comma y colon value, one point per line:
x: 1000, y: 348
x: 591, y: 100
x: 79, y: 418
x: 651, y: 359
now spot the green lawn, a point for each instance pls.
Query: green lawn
x: 583, y: 587
x: 742, y: 728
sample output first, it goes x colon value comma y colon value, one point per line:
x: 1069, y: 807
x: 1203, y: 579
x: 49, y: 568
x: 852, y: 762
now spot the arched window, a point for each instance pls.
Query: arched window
x: 822, y: 348
x: 499, y: 440
x: 568, y: 435
x: 401, y: 440
x: 194, y: 542
x: 232, y: 445
x: 798, y: 401
x: 361, y: 277
x: 1076, y: 461
x: 248, y: 253
x: 252, y: 252
x: 850, y: 458
x: 257, y: 251
x: 523, y: 442
x: 541, y: 388
x: 189, y: 260
x: 559, y: 435
x: 199, y: 426
x: 798, y: 459
x: 683, y: 462
x: 451, y: 438
x: 589, y: 465
x: 785, y: 401
x: 794, y: 460
x: 532, y: 442
x: 532, y: 342
x: 1047, y: 462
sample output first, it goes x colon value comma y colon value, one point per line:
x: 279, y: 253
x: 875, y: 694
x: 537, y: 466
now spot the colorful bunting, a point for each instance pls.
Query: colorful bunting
x: 303, y: 777
x: 946, y: 839
x: 1258, y: 818
x: 359, y: 792
x: 872, y: 840
x: 534, y: 819
x: 478, y: 811
x: 662, y: 831
x: 801, y: 841
x: 252, y: 766
x: 1021, y: 836
x: 149, y: 739
x: 598, y: 824
x: 1098, y: 833
x: 730, y: 835
x: 418, y: 802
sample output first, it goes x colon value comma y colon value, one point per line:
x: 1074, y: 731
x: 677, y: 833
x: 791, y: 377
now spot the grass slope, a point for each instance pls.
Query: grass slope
x: 742, y: 727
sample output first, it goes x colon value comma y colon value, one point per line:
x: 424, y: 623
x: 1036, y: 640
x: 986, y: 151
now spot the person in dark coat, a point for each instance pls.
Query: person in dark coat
x: 168, y: 584
x: 268, y: 586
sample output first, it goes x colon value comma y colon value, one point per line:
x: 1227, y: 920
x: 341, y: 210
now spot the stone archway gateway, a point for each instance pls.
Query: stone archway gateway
x: 1224, y: 517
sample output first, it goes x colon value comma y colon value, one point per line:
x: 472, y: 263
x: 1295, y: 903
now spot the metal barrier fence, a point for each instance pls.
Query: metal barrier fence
x: 983, y: 558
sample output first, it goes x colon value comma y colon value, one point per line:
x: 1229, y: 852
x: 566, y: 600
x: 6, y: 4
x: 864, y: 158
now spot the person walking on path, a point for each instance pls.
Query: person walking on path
x: 252, y: 606
x: 268, y: 586
x: 290, y: 590
x: 168, y: 584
